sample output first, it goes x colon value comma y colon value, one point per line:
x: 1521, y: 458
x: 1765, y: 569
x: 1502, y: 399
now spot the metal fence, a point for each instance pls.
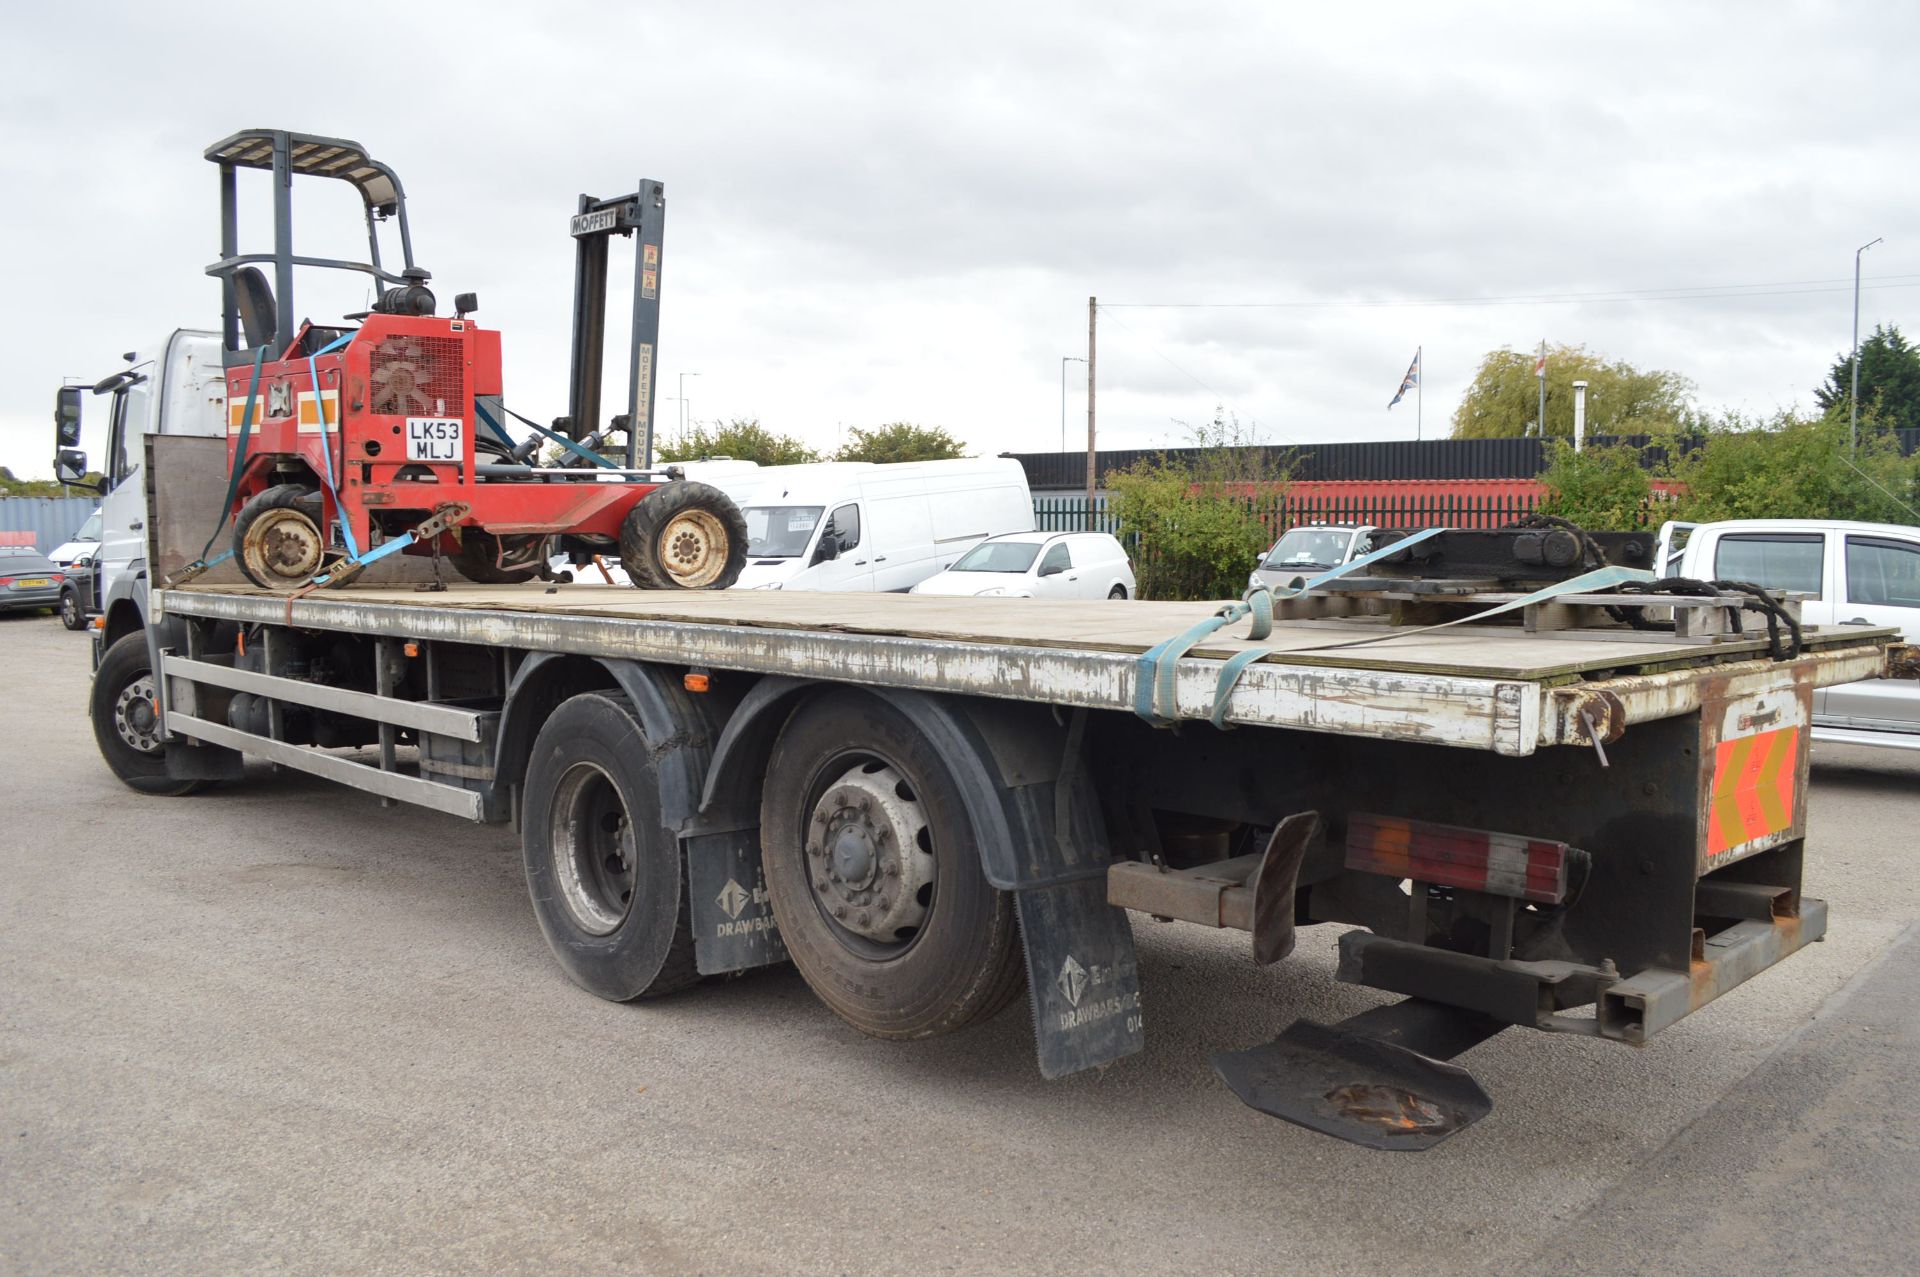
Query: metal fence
x: 1280, y: 511
x: 50, y: 519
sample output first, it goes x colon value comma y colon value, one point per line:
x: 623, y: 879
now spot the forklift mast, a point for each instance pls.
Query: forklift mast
x: 597, y: 221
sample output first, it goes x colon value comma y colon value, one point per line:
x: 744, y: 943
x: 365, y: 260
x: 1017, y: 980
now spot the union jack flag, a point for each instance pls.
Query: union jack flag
x: 1409, y: 381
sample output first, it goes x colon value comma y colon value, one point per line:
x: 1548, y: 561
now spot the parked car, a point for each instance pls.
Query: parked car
x: 82, y: 544
x: 860, y: 526
x: 28, y: 581
x: 1039, y: 565
x: 1306, y: 550
x: 1852, y: 573
x: 77, y: 597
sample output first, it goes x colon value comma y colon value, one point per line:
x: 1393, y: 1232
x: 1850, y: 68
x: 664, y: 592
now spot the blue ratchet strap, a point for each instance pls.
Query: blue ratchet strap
x: 1586, y: 583
x: 326, y: 451
x: 486, y: 419
x: 239, y: 465
x: 1236, y: 666
x: 1153, y: 678
x: 562, y: 440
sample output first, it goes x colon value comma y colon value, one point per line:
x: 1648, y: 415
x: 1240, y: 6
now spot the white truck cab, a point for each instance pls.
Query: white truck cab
x: 177, y: 387
x: 1851, y: 574
x: 855, y: 525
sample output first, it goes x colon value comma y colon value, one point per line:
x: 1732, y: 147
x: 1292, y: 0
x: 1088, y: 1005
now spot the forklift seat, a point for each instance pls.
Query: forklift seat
x: 254, y: 299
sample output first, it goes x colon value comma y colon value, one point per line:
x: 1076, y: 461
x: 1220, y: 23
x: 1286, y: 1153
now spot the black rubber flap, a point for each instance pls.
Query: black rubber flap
x: 733, y: 926
x: 1355, y: 1087
x: 1082, y: 976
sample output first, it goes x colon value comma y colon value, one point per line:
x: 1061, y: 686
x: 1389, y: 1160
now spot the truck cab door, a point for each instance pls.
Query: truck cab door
x: 123, y: 507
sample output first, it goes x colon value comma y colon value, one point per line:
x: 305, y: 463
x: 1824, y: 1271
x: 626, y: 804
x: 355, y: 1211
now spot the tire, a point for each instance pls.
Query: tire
x: 124, y: 730
x: 887, y: 969
x: 684, y: 536
x: 278, y: 542
x: 72, y: 614
x: 479, y: 557
x: 619, y: 932
x: 1117, y: 592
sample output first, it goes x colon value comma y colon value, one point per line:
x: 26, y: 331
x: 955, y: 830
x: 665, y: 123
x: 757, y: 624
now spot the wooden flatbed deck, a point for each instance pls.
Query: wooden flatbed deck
x: 1477, y: 686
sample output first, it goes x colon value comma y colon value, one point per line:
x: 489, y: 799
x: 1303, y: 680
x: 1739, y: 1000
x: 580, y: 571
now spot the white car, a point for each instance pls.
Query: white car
x: 1038, y: 565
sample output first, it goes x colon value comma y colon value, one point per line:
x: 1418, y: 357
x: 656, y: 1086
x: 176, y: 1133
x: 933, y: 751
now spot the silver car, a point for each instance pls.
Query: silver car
x: 1308, y: 550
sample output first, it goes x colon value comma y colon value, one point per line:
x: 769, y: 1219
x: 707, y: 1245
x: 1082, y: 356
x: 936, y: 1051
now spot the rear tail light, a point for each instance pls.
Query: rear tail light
x: 1450, y: 856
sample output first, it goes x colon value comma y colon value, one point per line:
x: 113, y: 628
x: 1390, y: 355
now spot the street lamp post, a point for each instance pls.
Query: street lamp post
x: 1064, y: 361
x: 686, y: 417
x: 1853, y: 395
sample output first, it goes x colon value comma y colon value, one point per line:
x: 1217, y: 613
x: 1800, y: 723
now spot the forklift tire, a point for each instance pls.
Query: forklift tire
x: 124, y: 722
x: 873, y: 871
x: 684, y: 536
x: 479, y: 558
x: 605, y: 873
x: 277, y: 539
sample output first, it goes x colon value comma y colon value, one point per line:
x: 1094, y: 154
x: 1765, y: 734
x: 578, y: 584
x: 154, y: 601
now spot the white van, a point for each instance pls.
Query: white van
x: 855, y: 525
x: 1848, y: 574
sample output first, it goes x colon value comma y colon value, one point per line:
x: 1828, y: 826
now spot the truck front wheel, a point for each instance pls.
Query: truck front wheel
x: 603, y: 871
x: 125, y: 709
x: 873, y: 870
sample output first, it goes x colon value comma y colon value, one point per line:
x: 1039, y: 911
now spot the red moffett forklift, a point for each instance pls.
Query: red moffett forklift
x: 387, y: 435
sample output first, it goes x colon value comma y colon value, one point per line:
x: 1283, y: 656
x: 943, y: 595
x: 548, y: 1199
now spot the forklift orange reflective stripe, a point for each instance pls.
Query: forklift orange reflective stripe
x: 1753, y: 780
x: 309, y: 410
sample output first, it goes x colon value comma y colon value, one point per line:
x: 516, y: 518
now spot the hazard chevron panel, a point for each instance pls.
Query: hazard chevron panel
x: 1756, y: 749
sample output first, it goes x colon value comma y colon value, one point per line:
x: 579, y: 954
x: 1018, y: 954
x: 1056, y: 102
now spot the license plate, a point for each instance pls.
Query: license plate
x: 27, y: 582
x: 434, y: 438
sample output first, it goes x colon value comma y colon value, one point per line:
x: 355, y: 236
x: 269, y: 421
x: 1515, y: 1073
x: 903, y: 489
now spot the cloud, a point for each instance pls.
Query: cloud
x: 882, y: 212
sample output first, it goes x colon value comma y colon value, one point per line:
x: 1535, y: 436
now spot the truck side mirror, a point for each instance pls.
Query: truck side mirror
x: 66, y: 417
x: 829, y: 548
x: 70, y: 464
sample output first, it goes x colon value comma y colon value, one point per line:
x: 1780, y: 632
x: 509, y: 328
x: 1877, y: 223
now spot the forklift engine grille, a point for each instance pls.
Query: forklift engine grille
x: 419, y: 377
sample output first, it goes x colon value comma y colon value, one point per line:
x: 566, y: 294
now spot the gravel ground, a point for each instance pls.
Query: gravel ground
x: 277, y: 1028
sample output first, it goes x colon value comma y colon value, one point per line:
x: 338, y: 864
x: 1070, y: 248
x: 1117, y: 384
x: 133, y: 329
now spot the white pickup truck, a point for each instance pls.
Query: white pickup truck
x: 1851, y: 574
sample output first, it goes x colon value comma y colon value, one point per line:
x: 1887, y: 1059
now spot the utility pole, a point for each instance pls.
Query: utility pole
x: 1064, y: 361
x: 1853, y: 396
x: 1540, y: 371
x: 1093, y: 315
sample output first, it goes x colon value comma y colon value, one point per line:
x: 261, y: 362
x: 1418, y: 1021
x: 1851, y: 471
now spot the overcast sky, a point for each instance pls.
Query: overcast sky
x: 898, y: 211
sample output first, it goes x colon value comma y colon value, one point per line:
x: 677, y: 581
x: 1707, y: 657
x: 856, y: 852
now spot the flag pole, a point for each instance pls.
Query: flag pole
x: 1540, y: 371
x: 1419, y: 391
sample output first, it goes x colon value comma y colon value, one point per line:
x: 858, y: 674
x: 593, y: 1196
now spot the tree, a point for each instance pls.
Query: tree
x: 1194, y: 529
x: 1597, y: 487
x: 1889, y: 379
x: 11, y: 486
x: 742, y: 440
x: 1504, y: 400
x: 1799, y: 468
x: 900, y: 441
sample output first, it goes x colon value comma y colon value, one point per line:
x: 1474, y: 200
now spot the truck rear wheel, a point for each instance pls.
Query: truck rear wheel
x: 604, y: 873
x: 124, y: 706
x: 277, y: 539
x: 684, y: 536
x: 874, y: 874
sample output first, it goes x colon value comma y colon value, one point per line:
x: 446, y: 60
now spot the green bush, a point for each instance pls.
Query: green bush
x: 1799, y: 468
x: 1599, y: 487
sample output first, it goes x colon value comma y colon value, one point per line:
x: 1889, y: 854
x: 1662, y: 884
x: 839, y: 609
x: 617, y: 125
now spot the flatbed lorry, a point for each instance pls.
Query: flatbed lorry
x: 929, y: 804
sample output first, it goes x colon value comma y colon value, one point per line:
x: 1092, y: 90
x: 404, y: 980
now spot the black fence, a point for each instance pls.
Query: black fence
x: 1401, y: 459
x: 1067, y: 512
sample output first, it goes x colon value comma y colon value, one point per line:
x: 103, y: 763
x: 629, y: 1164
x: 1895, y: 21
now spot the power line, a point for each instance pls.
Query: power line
x: 1707, y: 292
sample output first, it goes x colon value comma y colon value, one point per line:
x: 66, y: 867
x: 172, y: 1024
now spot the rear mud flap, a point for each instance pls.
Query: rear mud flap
x: 733, y: 926
x: 1356, y: 1085
x: 1082, y: 976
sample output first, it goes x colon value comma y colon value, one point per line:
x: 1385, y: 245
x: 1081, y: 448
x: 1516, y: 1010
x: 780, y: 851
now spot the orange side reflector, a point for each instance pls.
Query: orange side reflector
x: 697, y: 682
x: 411, y: 649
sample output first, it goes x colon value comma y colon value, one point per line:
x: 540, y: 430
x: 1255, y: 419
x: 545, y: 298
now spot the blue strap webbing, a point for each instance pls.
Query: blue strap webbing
x: 326, y: 451
x: 1154, y: 672
x: 239, y: 464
